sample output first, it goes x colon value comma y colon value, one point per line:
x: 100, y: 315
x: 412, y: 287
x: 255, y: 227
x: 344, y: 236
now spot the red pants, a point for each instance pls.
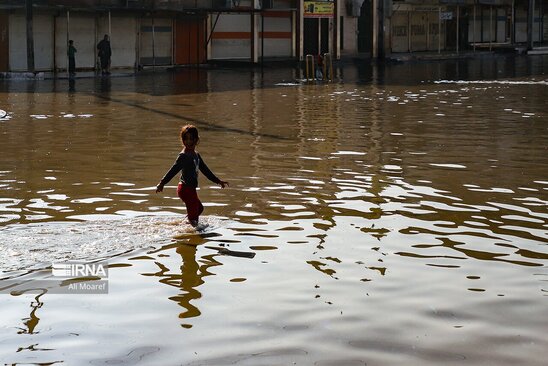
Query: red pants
x: 190, y: 197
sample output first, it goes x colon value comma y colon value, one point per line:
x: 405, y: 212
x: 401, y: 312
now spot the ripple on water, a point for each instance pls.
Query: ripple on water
x: 4, y: 116
x: 383, y: 234
x: 493, y: 82
x: 37, y: 245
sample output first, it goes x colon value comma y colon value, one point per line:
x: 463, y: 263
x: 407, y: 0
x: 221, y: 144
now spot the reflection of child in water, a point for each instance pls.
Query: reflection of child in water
x: 189, y: 162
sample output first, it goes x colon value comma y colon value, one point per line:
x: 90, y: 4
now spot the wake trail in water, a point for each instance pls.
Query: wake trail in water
x: 35, y: 246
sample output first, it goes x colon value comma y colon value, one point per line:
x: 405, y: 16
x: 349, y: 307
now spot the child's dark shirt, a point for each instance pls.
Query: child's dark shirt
x: 189, y: 164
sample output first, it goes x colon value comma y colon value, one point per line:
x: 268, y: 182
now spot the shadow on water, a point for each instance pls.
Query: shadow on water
x: 200, y: 123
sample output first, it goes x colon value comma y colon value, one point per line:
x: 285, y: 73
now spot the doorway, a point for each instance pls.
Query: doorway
x: 316, y: 36
x: 4, y: 42
x: 190, y: 41
x: 365, y: 28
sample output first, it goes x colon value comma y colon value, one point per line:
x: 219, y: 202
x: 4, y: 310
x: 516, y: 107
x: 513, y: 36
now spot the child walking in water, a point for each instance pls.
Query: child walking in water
x: 189, y: 162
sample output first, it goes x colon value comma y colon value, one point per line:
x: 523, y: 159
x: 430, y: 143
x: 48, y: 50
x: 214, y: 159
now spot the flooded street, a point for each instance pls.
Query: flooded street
x: 395, y: 216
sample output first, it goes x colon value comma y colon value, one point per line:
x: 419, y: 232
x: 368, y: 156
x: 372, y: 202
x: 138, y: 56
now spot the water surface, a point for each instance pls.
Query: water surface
x: 397, y: 215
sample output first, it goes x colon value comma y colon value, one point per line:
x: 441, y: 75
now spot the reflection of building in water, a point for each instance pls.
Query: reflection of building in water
x: 327, y: 131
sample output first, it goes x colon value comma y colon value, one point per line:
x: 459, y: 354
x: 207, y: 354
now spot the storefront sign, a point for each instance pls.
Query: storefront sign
x: 425, y: 8
x: 319, y: 9
x: 411, y: 7
x: 495, y: 2
x: 446, y: 15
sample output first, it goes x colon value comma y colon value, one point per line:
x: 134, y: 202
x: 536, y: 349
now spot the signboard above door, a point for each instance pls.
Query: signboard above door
x: 319, y: 9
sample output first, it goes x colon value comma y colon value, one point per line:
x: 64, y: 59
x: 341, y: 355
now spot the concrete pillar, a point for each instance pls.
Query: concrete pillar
x: 458, y: 27
x: 530, y: 23
x: 300, y: 37
x: 375, y: 50
x: 474, y: 29
x: 320, y: 36
x: 490, y: 27
x: 439, y: 29
x: 30, y: 36
x: 68, y: 37
x: 153, y: 45
x: 337, y: 30
x: 380, y: 4
x: 254, y: 37
x: 294, y: 34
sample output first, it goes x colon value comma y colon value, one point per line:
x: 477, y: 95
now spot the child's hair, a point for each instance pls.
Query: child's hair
x: 70, y: 41
x: 189, y: 129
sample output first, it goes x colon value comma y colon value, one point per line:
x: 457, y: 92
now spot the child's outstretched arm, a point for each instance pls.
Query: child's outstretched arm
x: 209, y: 174
x: 177, y: 166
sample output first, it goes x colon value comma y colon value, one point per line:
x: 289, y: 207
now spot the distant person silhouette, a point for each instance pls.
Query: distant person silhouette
x: 71, y: 51
x: 319, y: 70
x: 104, y: 54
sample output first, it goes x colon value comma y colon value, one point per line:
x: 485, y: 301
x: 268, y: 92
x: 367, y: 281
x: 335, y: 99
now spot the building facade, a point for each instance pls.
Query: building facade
x: 34, y: 33
x: 144, y: 33
x: 457, y: 25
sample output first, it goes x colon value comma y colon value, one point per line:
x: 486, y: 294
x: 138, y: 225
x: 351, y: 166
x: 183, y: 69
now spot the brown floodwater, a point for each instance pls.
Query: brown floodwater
x: 395, y: 216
